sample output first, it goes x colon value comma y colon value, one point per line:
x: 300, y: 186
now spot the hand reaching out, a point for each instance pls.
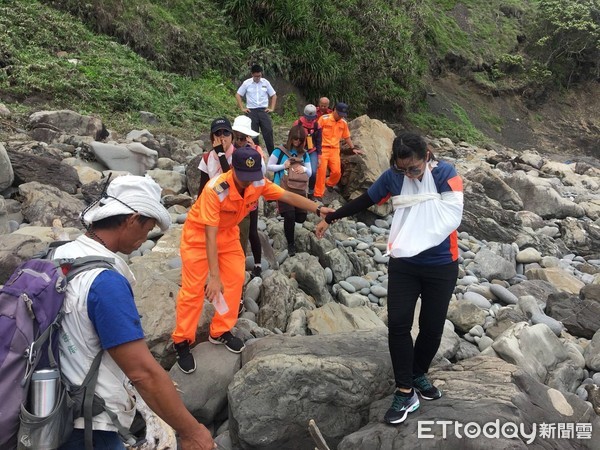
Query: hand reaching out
x: 325, y: 210
x: 321, y: 229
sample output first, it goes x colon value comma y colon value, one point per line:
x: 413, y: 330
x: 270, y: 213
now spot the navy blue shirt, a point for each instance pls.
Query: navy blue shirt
x: 390, y: 183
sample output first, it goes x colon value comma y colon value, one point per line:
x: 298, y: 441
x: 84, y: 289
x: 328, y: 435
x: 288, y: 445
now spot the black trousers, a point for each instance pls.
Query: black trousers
x: 261, y: 121
x: 406, y: 282
x: 291, y: 215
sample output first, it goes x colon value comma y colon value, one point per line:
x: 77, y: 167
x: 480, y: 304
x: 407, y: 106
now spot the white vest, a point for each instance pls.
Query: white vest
x: 79, y: 342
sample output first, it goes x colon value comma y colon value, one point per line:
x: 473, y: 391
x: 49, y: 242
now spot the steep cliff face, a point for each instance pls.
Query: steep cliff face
x: 563, y: 123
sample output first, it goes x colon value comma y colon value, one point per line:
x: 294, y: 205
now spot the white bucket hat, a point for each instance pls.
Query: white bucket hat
x: 243, y: 124
x: 128, y: 194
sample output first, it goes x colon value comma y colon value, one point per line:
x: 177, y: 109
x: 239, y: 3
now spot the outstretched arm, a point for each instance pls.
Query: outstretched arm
x: 358, y: 204
x: 157, y: 390
x: 303, y: 203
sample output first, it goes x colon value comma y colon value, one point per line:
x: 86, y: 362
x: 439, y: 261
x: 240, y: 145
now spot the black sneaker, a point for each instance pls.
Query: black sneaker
x: 185, y: 359
x: 291, y: 249
x: 232, y: 343
x: 424, y: 387
x: 402, y: 404
x: 256, y: 272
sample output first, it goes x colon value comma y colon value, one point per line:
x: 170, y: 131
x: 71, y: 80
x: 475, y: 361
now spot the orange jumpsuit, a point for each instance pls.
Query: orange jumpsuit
x: 332, y: 132
x: 222, y: 207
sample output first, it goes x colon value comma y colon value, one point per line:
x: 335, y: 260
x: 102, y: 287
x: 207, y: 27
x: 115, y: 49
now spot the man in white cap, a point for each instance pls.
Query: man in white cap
x: 100, y: 315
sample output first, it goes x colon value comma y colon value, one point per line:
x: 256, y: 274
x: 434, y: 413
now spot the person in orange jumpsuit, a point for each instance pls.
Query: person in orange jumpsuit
x: 333, y: 128
x: 212, y: 255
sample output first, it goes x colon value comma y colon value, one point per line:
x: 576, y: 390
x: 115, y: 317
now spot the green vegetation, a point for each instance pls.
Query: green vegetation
x: 182, y: 59
x: 457, y: 128
x: 566, y: 38
x: 47, y: 56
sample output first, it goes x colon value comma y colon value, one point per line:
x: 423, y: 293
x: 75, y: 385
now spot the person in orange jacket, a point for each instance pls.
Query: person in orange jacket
x: 212, y: 255
x: 333, y: 128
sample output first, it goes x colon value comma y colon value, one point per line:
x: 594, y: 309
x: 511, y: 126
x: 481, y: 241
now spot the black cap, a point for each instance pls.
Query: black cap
x: 220, y: 124
x: 342, y: 109
x: 247, y: 164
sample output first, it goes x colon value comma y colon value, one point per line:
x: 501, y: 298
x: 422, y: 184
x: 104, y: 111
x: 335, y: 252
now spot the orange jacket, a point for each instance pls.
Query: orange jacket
x: 332, y: 131
x: 221, y: 205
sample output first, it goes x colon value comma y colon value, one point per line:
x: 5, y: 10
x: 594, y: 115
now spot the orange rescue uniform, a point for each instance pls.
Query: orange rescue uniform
x: 220, y: 205
x: 332, y: 132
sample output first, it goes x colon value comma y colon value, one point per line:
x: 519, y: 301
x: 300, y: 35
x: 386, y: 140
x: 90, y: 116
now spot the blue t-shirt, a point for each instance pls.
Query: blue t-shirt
x: 112, y: 310
x: 390, y: 183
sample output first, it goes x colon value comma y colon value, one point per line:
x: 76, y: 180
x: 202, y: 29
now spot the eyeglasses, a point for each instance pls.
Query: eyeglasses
x: 220, y: 133
x: 413, y: 171
x: 240, y: 137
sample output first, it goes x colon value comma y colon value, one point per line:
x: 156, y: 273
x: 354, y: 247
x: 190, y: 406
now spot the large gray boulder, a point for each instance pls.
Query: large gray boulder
x: 539, y: 196
x: 336, y: 318
x: 490, y: 266
x: 480, y: 392
x: 44, y: 170
x: 14, y: 249
x: 310, y: 275
x: 286, y: 381
x: 47, y: 125
x: 360, y: 171
x: 43, y: 204
x: 204, y: 392
x: 7, y: 176
x: 540, y: 353
x: 495, y: 187
x: 580, y: 316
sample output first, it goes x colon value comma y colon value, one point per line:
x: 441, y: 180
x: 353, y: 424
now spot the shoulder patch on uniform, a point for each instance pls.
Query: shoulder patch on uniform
x: 221, y: 187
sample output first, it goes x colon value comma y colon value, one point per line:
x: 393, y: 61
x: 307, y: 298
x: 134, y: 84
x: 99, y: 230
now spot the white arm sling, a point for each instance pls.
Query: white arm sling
x: 423, y: 218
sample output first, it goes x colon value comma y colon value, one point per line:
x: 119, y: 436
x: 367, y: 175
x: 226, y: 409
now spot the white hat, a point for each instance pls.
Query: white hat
x: 243, y: 124
x: 129, y: 194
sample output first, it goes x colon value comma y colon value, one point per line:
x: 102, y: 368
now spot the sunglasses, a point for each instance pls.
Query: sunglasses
x: 220, y: 133
x: 240, y: 137
x: 413, y: 171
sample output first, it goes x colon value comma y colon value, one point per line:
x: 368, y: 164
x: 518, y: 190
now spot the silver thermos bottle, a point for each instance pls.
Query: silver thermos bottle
x: 44, y: 390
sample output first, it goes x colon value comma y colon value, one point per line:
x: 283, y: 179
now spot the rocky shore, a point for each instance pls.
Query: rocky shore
x: 522, y: 337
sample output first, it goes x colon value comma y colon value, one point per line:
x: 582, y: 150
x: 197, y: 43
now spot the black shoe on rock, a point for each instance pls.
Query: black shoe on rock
x: 256, y: 271
x: 231, y: 343
x: 291, y: 249
x: 185, y: 359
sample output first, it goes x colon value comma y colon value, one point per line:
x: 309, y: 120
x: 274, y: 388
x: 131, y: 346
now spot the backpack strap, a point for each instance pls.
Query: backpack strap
x: 94, y: 405
x: 75, y: 266
x: 34, y: 354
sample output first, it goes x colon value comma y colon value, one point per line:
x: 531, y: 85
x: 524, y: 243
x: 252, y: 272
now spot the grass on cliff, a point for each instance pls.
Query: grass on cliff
x: 46, y: 57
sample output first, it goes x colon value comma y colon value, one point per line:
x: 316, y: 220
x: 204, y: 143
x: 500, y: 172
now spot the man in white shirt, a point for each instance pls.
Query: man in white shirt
x: 260, y: 101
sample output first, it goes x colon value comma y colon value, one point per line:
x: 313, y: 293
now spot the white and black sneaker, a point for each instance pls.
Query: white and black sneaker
x: 185, y: 359
x: 402, y: 404
x: 232, y: 343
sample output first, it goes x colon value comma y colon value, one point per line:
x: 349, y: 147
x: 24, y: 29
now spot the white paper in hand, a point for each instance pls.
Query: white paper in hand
x: 220, y: 304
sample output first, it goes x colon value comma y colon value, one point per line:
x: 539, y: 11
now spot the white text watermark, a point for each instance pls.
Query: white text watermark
x: 429, y: 429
